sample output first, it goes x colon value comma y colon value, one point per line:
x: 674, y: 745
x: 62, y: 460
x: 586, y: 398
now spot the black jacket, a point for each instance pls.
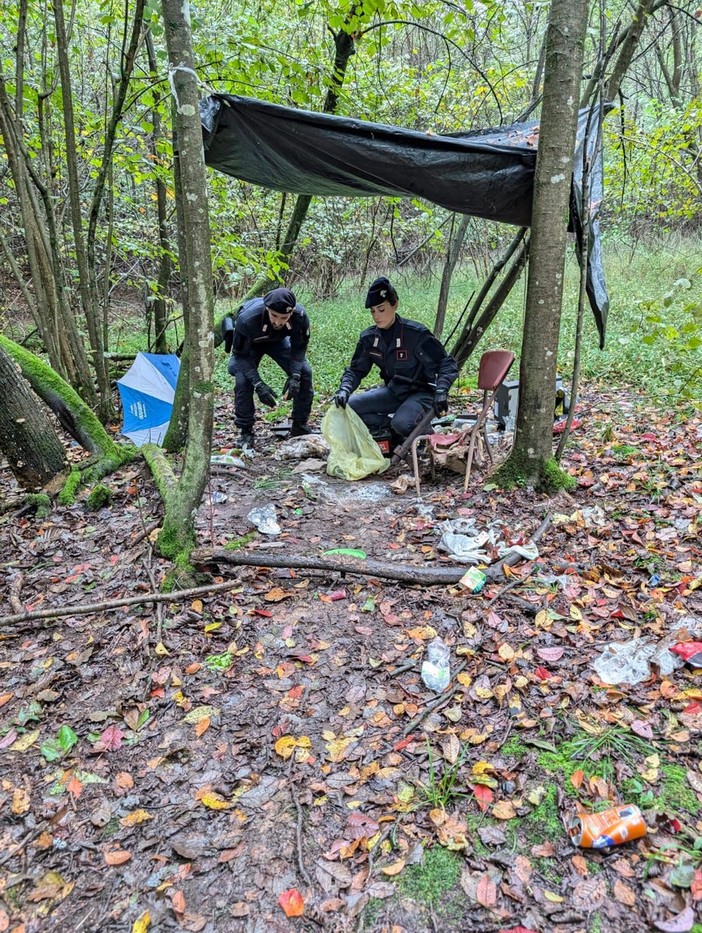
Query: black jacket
x: 253, y: 333
x: 409, y: 356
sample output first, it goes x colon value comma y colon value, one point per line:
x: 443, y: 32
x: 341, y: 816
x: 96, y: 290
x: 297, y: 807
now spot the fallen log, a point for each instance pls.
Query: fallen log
x: 401, y: 573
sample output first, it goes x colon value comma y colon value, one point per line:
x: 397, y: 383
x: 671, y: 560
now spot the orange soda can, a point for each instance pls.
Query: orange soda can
x: 609, y: 828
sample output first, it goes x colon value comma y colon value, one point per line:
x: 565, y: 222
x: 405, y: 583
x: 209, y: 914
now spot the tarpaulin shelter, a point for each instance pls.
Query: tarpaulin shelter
x: 488, y: 173
x: 147, y: 390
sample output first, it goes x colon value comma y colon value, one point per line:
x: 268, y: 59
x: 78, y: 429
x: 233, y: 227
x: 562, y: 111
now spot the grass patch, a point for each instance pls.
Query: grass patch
x: 443, y: 786
x: 675, y: 793
x: 435, y: 877
x: 544, y: 821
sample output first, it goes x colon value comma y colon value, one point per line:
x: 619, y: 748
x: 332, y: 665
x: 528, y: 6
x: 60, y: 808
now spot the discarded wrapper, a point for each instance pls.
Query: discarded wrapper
x: 690, y: 651
x: 473, y: 580
x: 609, y: 828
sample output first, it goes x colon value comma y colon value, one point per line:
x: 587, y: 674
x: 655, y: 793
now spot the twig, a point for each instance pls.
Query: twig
x: 298, y: 835
x: 108, y: 604
x: 148, y: 563
x: 144, y: 533
x: 505, y: 589
x: 495, y: 570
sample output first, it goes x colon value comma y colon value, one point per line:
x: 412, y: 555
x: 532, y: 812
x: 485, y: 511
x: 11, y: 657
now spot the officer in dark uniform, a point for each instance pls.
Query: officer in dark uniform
x: 415, y: 367
x: 276, y: 326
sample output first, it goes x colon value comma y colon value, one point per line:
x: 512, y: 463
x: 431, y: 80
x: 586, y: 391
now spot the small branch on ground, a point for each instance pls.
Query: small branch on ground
x: 298, y: 835
x: 16, y: 583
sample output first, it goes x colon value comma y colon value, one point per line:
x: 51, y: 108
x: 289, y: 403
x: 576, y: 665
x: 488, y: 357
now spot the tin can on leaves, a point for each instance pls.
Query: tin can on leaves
x: 473, y: 580
x: 610, y: 828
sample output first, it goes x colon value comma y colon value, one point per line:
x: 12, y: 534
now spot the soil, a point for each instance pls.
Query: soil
x: 183, y: 765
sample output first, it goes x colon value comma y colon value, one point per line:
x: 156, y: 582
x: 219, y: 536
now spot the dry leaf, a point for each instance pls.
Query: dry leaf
x: 451, y: 748
x: 135, y: 817
x: 486, y: 892
x: 178, y: 903
x: 504, y: 810
x: 393, y: 869
x: 214, y: 802
x: 292, y: 903
x: 624, y: 894
x: 117, y: 856
x: 142, y: 924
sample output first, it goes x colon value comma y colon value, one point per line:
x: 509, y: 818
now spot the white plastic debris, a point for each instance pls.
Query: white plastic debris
x: 302, y: 448
x: 629, y: 662
x: 436, y: 669
x: 528, y: 551
x: 265, y: 519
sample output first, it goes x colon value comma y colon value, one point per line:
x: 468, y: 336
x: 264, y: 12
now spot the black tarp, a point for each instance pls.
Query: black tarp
x: 489, y: 173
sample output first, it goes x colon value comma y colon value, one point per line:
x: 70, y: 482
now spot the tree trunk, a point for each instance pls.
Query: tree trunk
x: 165, y: 266
x: 85, y: 287
x: 178, y: 535
x: 75, y: 416
x: 27, y: 437
x: 563, y: 68
x: 452, y: 254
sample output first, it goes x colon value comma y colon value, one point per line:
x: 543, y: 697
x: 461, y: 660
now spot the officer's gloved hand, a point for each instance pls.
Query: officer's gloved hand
x: 341, y: 398
x: 291, y: 389
x: 440, y: 403
x: 266, y: 394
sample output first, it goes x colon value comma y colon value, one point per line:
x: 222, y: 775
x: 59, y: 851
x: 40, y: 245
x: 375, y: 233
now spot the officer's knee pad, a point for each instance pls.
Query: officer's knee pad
x: 231, y: 366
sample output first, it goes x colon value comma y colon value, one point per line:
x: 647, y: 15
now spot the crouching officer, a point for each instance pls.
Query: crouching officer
x: 276, y: 326
x: 415, y: 367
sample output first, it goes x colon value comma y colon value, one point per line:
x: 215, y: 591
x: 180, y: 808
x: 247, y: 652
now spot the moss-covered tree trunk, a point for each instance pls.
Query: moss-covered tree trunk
x: 75, y: 416
x: 177, y: 536
x: 27, y: 437
x: 533, y: 447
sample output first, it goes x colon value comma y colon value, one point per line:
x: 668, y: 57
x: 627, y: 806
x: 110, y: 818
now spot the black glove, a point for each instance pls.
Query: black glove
x: 341, y: 398
x: 266, y: 394
x: 291, y: 389
x: 440, y: 403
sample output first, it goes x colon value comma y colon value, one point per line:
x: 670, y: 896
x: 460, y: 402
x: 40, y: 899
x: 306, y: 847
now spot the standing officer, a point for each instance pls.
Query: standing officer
x: 276, y: 326
x: 415, y: 367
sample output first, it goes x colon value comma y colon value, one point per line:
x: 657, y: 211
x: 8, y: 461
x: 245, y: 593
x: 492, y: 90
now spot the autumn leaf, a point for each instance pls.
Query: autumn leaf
x: 142, y: 924
x: 576, y: 779
x: 213, y: 801
x: 624, y: 894
x: 292, y: 903
x: 110, y: 740
x: 550, y: 654
x: 486, y: 892
x: 117, y: 856
x: 178, y: 903
x: 483, y: 796
x: 135, y: 817
x: 393, y: 869
x: 504, y: 810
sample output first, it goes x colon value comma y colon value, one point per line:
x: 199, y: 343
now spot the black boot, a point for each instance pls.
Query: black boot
x: 246, y: 440
x: 299, y: 430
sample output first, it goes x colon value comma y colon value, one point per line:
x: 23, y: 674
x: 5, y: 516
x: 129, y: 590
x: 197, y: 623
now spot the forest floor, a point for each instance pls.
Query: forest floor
x: 222, y: 762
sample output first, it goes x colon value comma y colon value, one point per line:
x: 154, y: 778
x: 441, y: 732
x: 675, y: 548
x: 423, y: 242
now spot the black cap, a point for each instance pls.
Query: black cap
x: 381, y: 290
x: 280, y: 300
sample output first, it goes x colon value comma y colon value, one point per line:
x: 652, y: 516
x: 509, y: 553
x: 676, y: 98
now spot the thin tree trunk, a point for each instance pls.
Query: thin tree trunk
x: 90, y: 311
x: 27, y: 437
x: 452, y: 253
x: 564, y: 58
x: 178, y: 535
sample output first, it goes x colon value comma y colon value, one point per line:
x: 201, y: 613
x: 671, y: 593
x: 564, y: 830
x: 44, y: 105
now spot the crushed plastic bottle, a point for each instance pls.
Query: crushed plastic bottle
x: 436, y: 669
x: 265, y: 519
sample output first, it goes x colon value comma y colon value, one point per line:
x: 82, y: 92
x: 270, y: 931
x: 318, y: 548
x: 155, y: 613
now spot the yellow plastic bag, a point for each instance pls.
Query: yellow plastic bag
x: 353, y: 453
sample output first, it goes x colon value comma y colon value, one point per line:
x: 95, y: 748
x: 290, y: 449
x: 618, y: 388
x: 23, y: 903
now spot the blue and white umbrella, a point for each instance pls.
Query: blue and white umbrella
x: 147, y: 390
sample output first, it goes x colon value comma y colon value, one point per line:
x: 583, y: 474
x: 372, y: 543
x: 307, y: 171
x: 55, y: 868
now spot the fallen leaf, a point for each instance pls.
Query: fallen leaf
x: 142, y: 924
x: 110, y: 740
x: 117, y: 856
x: 486, y: 893
x: 178, y: 903
x: 504, y: 810
x: 550, y: 654
x: 624, y: 894
x: 214, y: 802
x: 292, y: 903
x: 135, y: 817
x: 393, y: 869
x: 681, y: 923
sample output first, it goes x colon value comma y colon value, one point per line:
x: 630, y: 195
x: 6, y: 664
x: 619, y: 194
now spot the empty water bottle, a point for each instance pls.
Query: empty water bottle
x: 436, y: 669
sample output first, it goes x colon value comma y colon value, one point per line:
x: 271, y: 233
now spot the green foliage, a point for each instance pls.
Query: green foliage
x: 433, y: 879
x: 56, y: 748
x: 443, y: 786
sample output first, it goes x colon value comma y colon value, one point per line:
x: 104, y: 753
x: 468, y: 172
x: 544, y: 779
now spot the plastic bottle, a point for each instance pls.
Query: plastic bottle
x: 436, y: 669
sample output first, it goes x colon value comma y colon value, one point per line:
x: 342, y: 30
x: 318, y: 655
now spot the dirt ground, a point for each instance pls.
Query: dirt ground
x: 188, y: 765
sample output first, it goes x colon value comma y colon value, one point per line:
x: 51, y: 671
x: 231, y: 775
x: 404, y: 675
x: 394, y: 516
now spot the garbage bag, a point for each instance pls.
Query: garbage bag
x: 353, y: 453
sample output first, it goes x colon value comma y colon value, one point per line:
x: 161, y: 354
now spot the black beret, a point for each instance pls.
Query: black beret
x: 381, y: 290
x: 280, y: 300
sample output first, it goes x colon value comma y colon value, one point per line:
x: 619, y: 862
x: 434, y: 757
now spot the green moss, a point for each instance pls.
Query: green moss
x: 100, y: 497
x: 237, y: 543
x: 675, y: 792
x: 520, y: 470
x: 513, y: 748
x: 67, y: 496
x: 40, y: 502
x: 544, y: 821
x: 430, y: 881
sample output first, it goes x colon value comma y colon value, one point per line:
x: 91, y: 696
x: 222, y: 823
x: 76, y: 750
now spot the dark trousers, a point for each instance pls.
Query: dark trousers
x: 380, y: 410
x: 244, y: 392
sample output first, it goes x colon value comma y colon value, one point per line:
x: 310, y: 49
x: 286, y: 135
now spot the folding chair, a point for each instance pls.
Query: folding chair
x: 492, y: 370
